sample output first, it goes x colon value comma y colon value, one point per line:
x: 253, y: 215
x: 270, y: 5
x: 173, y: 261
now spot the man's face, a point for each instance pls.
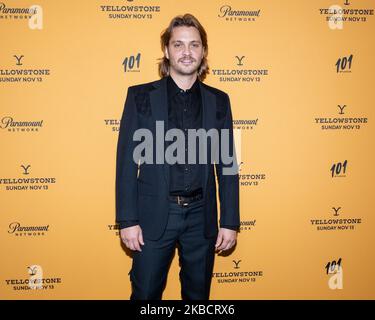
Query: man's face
x: 185, y: 51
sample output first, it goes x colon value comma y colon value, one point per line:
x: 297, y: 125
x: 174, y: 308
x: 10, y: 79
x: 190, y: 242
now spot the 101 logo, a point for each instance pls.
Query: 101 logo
x: 339, y: 169
x: 334, y: 269
x: 344, y: 64
x: 132, y: 63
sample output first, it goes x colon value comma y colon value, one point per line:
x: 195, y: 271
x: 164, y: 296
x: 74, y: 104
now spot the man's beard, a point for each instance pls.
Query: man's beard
x: 186, y: 71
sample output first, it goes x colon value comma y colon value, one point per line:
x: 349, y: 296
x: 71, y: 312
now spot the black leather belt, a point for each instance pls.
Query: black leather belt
x: 184, y: 201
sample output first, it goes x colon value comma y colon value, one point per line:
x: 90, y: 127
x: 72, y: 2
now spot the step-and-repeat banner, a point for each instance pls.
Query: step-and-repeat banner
x: 300, y: 75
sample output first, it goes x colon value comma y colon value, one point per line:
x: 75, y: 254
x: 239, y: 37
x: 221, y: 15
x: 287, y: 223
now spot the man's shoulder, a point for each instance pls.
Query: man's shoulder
x: 144, y: 87
x: 222, y: 98
x: 222, y: 95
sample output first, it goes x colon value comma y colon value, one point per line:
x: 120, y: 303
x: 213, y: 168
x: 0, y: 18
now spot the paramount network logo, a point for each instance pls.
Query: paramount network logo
x: 245, y: 124
x: 17, y: 229
x: 229, y: 14
x: 11, y: 125
x: 247, y: 225
x: 34, y: 14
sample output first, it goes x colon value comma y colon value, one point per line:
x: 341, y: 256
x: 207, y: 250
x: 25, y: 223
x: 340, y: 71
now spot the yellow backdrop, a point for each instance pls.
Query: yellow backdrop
x: 300, y: 78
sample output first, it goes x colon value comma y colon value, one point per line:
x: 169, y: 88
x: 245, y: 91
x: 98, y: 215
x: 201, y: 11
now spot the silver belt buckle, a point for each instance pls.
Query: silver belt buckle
x: 179, y: 202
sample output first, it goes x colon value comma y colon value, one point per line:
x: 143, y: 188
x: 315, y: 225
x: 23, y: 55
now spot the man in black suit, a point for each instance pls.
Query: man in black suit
x: 162, y: 203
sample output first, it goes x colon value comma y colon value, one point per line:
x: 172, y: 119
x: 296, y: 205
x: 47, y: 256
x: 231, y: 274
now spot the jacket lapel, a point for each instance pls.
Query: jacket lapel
x: 208, y: 122
x: 159, y: 109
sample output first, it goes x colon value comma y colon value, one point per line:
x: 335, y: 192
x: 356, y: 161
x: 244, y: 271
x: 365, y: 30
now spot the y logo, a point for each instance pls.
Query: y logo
x: 240, y: 60
x: 18, y: 60
x: 341, y: 108
x: 36, y: 276
x: 25, y: 168
x: 336, y: 211
x: 236, y: 264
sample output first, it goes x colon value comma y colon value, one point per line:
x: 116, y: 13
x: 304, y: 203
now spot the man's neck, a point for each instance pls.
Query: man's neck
x: 184, y: 82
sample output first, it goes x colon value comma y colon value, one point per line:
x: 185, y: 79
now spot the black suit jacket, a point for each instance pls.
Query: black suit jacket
x: 142, y: 190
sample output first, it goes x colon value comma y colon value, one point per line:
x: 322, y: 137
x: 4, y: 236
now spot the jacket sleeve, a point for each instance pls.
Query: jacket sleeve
x: 128, y: 223
x: 126, y: 167
x: 228, y: 178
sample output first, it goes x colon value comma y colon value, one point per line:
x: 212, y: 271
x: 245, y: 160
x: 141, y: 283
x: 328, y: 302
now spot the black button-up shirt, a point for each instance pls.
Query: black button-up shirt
x: 185, y: 112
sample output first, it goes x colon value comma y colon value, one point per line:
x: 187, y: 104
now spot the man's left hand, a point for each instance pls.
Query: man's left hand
x: 226, y: 239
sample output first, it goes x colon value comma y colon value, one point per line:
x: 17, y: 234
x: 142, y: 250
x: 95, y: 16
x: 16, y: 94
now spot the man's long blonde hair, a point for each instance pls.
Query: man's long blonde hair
x: 187, y: 20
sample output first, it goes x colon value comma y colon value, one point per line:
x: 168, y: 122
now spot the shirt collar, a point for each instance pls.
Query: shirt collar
x: 173, y: 88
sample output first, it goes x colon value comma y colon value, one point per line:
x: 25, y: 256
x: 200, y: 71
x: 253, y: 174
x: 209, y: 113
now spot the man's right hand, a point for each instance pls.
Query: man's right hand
x: 132, y: 237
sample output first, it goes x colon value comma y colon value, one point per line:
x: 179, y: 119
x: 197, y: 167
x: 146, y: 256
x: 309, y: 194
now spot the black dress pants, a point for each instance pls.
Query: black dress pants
x: 185, y: 229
